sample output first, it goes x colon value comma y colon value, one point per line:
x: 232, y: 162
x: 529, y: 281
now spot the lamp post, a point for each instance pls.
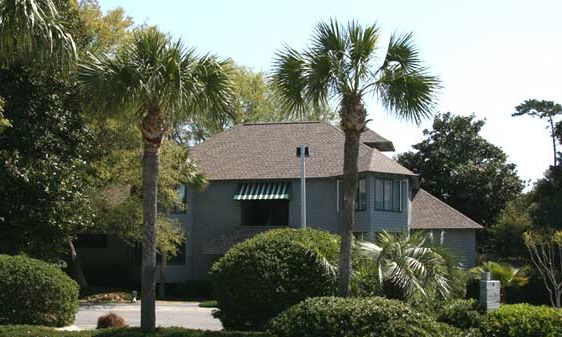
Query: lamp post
x: 302, y: 152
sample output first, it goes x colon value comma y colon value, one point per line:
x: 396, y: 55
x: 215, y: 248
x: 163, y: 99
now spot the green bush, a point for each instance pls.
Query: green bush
x: 35, y: 292
x: 356, y: 317
x: 261, y: 277
x: 523, y: 320
x: 463, y: 314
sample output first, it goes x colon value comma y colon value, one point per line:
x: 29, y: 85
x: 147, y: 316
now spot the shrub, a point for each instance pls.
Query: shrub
x: 261, y: 277
x: 356, y: 317
x: 523, y: 320
x: 111, y: 320
x: 35, y: 331
x: 463, y: 314
x: 35, y: 292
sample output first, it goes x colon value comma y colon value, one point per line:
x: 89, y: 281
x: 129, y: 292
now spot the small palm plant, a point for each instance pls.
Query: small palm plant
x: 508, y: 275
x: 409, y: 265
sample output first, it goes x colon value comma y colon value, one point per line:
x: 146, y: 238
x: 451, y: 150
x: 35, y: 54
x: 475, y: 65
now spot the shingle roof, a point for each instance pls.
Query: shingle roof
x: 268, y: 151
x: 373, y: 139
x: 428, y: 212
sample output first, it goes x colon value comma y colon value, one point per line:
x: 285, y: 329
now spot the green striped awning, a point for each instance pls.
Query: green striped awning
x: 264, y: 191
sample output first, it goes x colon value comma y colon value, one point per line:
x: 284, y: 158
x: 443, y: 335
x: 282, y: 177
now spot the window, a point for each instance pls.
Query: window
x: 361, y: 197
x: 388, y: 195
x: 265, y: 213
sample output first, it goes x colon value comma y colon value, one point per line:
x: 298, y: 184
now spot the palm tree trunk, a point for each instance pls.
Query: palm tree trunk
x: 149, y: 190
x: 353, y: 123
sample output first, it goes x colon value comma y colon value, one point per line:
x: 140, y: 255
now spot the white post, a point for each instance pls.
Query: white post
x: 303, y: 188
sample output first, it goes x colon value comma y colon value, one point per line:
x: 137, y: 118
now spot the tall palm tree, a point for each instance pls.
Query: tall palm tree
x: 34, y: 29
x: 342, y: 65
x: 409, y: 264
x: 162, y: 84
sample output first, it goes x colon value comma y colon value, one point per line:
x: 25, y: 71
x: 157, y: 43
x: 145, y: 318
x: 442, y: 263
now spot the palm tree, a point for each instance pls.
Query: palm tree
x: 341, y: 65
x: 161, y: 84
x: 508, y: 275
x: 407, y: 265
x: 34, y: 30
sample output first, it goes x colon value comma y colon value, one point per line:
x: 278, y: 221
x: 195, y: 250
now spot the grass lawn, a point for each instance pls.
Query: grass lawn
x: 209, y: 304
x: 33, y: 331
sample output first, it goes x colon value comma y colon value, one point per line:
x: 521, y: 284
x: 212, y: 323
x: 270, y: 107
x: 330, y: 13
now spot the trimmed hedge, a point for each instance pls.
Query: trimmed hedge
x: 33, y: 331
x: 260, y: 277
x: 463, y: 314
x: 523, y: 320
x: 35, y: 292
x: 356, y: 317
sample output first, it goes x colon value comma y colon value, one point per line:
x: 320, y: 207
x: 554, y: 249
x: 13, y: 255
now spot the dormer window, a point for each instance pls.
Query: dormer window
x: 388, y: 195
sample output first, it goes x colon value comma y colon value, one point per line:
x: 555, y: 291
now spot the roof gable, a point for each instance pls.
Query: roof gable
x: 428, y: 212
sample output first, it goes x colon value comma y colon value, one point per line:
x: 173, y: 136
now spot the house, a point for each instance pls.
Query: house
x: 254, y: 185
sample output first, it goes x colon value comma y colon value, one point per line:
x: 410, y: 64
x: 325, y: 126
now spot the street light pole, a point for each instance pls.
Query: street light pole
x: 302, y: 152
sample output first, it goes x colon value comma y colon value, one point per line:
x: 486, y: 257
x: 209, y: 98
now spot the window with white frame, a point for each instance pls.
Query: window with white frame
x: 360, y: 197
x: 388, y: 195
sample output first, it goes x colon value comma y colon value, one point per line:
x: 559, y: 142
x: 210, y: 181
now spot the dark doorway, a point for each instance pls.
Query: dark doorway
x: 265, y: 213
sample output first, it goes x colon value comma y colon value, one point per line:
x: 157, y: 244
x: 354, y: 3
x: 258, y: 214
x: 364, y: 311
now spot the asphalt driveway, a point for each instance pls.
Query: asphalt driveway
x: 168, y: 314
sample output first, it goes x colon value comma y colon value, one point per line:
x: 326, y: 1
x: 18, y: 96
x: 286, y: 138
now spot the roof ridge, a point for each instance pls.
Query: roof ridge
x: 450, y: 207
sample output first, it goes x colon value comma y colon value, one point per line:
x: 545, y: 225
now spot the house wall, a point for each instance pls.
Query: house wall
x: 213, y: 212
x: 460, y: 242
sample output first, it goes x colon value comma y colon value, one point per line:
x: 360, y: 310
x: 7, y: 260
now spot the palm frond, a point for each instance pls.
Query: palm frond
x: 34, y: 30
x: 288, y: 80
x: 151, y: 70
x: 404, y: 86
x: 341, y: 62
x: 410, y: 263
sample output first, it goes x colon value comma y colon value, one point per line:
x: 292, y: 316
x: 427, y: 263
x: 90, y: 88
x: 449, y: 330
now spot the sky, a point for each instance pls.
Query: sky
x: 489, y: 55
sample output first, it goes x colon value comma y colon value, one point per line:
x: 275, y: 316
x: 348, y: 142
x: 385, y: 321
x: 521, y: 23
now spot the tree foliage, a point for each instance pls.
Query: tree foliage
x: 460, y: 167
x: 510, y: 225
x: 544, y: 110
x: 43, y: 195
x: 115, y: 175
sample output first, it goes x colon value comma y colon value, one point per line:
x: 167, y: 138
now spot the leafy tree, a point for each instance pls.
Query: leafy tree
x: 512, y: 222
x: 161, y: 84
x: 43, y: 198
x: 96, y: 32
x: 254, y: 101
x: 34, y: 30
x: 544, y: 110
x: 408, y: 265
x: 545, y: 249
x: 342, y: 65
x: 117, y: 185
x: 463, y: 169
x: 547, y: 198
